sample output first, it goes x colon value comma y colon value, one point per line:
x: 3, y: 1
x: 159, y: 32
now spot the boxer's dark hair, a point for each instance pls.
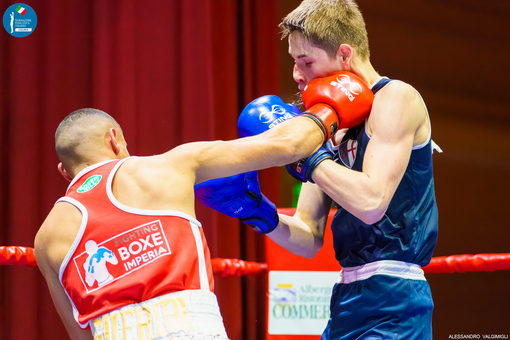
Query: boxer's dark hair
x: 75, y: 134
x: 329, y: 23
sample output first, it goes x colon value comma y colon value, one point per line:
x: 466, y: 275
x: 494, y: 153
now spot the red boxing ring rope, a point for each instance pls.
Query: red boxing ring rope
x: 24, y: 256
x: 468, y: 263
x: 235, y: 267
x: 18, y: 256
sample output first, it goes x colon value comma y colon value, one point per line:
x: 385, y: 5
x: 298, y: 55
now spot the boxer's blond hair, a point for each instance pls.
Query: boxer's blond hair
x: 329, y: 23
x: 82, y: 133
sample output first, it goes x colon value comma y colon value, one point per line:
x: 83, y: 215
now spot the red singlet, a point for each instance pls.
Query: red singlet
x: 124, y: 255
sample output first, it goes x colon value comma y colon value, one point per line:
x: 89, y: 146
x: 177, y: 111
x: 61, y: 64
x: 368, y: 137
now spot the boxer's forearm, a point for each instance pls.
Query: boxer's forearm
x: 286, y: 143
x: 295, y: 139
x: 303, y: 233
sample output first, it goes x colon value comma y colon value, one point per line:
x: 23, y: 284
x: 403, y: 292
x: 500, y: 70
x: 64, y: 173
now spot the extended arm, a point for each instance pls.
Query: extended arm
x: 329, y: 106
x: 397, y: 120
x: 288, y: 142
x: 239, y: 195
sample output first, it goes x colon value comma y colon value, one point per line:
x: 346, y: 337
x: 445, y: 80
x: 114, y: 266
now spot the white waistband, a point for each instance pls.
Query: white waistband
x: 386, y: 267
x: 189, y: 314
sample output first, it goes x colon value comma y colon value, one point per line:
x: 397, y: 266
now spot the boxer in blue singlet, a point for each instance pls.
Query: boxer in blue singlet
x: 382, y: 293
x: 380, y: 177
x: 386, y: 225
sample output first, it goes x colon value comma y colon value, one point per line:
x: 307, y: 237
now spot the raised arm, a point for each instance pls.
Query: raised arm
x: 329, y: 105
x: 397, y: 122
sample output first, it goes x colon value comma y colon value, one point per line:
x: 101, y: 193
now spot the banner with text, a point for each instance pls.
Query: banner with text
x: 299, y: 301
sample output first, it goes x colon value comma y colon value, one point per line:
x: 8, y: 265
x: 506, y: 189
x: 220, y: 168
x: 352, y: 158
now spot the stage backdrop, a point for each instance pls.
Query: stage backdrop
x: 170, y: 72
x: 175, y: 71
x: 456, y: 54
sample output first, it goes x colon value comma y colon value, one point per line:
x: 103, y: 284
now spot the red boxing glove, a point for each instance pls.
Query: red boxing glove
x: 341, y: 100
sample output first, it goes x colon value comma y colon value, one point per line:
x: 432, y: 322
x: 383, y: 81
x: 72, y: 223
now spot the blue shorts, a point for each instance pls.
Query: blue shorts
x: 381, y: 307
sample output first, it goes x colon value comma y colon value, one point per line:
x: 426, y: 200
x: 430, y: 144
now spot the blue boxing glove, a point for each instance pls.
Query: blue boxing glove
x: 239, y: 196
x: 263, y: 114
x: 302, y: 170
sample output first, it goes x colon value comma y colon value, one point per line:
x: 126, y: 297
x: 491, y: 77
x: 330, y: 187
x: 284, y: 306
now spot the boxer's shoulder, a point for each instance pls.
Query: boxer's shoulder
x: 397, y: 105
x: 170, y: 178
x: 62, y: 218
x: 395, y: 90
x: 149, y: 168
x: 57, y: 234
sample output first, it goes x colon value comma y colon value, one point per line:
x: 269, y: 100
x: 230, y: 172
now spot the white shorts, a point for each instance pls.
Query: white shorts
x: 186, y: 315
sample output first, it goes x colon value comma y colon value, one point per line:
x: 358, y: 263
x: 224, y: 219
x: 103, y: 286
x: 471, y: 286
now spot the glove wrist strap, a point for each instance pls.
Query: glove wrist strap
x: 325, y: 117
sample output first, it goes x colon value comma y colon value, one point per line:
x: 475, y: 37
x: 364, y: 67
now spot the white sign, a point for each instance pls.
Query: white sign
x: 299, y: 301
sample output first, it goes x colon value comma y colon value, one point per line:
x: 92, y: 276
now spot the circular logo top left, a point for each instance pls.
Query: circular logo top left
x: 20, y: 20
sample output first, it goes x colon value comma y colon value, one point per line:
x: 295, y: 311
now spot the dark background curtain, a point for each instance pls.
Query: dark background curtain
x: 178, y: 71
x: 170, y: 72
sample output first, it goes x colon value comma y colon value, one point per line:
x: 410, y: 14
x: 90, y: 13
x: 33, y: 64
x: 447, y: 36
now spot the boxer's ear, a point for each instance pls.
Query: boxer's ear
x: 63, y: 172
x: 113, y: 141
x: 345, y: 54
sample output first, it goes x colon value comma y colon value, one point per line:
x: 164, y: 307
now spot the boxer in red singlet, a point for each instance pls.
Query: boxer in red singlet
x: 122, y: 252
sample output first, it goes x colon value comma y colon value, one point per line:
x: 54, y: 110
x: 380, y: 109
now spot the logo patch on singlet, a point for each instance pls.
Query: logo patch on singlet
x: 89, y: 184
x: 108, y: 261
x: 347, y: 151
